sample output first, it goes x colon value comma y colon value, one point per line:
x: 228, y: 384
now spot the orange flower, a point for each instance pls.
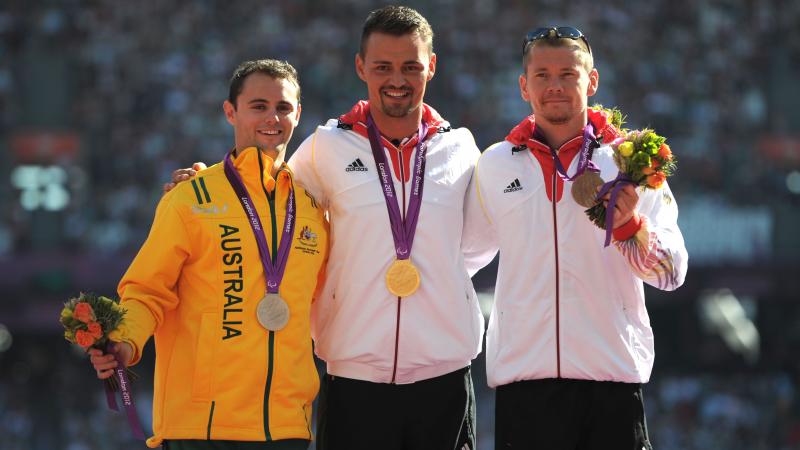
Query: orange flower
x: 665, y: 152
x: 656, y: 180
x: 83, y: 312
x: 654, y: 163
x: 84, y: 339
x: 95, y: 329
x: 648, y: 170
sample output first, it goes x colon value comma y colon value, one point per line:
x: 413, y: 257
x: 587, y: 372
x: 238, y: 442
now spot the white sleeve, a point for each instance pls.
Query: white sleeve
x: 304, y: 167
x: 657, y: 253
x: 479, y: 242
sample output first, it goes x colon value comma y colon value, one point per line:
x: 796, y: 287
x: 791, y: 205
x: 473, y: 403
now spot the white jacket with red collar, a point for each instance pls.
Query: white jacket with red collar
x: 361, y: 330
x: 565, y: 306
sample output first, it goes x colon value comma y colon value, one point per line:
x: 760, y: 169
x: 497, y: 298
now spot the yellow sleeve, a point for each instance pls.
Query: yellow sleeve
x: 149, y: 288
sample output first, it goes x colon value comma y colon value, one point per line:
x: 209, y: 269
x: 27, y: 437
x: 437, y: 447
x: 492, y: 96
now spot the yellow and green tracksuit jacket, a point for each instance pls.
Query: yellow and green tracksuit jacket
x: 195, y: 285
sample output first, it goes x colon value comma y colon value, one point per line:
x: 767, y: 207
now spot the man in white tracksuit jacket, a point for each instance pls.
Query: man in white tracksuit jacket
x: 569, y: 340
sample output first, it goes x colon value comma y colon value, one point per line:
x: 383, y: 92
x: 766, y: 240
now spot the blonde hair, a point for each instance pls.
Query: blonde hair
x: 577, y: 45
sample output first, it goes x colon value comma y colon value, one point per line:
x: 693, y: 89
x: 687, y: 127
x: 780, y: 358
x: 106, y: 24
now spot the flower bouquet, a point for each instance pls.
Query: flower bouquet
x: 93, y: 321
x: 644, y: 159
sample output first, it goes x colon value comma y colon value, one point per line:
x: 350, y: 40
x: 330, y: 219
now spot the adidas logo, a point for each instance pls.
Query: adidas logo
x: 356, y: 166
x: 514, y: 186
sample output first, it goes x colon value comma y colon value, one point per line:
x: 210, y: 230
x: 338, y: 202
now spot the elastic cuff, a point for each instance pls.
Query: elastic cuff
x: 137, y: 354
x: 629, y: 229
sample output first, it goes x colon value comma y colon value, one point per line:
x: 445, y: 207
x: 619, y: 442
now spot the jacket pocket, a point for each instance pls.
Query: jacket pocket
x: 204, y: 358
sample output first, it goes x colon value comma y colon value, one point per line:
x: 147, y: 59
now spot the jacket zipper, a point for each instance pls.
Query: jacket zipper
x: 399, y: 301
x: 555, y: 246
x: 274, y: 256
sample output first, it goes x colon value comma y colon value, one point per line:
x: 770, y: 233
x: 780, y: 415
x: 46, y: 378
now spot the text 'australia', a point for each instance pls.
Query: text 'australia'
x: 232, y: 278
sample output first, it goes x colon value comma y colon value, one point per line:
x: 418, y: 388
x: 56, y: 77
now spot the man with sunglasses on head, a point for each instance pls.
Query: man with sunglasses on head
x: 569, y: 342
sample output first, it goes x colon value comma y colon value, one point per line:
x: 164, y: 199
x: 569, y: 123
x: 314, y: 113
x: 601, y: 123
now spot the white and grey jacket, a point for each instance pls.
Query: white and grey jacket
x: 565, y: 306
x: 361, y: 330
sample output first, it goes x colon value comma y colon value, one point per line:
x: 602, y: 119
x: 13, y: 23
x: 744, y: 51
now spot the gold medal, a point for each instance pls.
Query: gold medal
x: 584, y: 188
x: 402, y: 278
x: 272, y: 312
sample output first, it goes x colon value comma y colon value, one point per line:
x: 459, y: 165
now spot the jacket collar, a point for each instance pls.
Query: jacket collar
x: 254, y: 165
x: 356, y: 118
x: 525, y: 133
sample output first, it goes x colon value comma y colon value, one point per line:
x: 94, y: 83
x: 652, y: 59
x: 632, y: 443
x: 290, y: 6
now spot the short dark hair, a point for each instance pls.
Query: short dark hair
x: 279, y: 70
x: 396, y: 21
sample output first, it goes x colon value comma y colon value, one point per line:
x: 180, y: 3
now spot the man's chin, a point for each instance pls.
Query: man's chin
x: 272, y: 150
x: 396, y: 111
x: 556, y: 119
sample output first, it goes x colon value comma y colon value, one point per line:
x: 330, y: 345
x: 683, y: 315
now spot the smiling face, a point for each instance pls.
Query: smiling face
x: 397, y: 70
x: 266, y: 113
x: 557, y: 85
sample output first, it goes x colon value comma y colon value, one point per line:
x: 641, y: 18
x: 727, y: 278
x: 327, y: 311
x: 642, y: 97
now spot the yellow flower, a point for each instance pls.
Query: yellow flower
x: 66, y: 313
x: 626, y: 148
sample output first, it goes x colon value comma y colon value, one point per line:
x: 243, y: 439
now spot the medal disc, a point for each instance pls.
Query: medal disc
x: 402, y: 278
x: 584, y: 188
x: 272, y: 312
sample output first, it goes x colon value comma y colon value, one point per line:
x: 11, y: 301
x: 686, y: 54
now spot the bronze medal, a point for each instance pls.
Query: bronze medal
x: 402, y: 278
x: 584, y: 188
x: 272, y: 312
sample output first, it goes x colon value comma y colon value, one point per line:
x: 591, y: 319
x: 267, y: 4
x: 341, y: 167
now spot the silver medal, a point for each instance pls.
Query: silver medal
x: 272, y: 312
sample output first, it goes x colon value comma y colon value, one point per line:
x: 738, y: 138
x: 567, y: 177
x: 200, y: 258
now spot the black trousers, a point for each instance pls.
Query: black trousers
x: 560, y: 414
x: 190, y: 444
x: 434, y: 414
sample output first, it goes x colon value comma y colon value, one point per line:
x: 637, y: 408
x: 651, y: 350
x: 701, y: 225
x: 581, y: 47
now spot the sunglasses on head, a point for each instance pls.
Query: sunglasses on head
x: 554, y: 33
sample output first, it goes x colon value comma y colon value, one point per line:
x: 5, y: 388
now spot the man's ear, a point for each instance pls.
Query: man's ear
x: 230, y: 111
x: 360, y: 68
x: 523, y: 88
x: 432, y: 66
x: 594, y: 83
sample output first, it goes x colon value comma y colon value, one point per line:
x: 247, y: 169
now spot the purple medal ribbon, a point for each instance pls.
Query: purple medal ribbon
x: 124, y: 384
x: 614, y: 186
x: 273, y: 273
x: 402, y: 230
x: 584, y: 163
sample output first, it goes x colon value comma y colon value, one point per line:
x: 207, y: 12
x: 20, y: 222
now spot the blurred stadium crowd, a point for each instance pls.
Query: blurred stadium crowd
x: 129, y: 91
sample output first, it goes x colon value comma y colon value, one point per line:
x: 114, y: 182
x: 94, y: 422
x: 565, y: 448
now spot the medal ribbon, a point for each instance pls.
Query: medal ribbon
x: 124, y: 384
x: 273, y: 272
x: 584, y: 163
x: 614, y: 186
x: 402, y: 230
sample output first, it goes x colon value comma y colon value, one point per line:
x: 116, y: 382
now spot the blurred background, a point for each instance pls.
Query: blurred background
x: 100, y: 100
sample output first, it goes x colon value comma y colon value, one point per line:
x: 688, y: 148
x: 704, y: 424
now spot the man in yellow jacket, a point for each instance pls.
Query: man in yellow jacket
x: 225, y: 282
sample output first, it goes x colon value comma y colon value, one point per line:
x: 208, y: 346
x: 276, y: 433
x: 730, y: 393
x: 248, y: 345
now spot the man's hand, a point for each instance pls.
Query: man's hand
x: 104, y: 363
x: 627, y: 198
x: 183, y: 175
